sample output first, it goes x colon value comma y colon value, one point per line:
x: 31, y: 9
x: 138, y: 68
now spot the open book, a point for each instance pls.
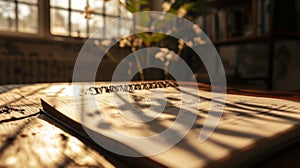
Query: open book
x: 250, y: 129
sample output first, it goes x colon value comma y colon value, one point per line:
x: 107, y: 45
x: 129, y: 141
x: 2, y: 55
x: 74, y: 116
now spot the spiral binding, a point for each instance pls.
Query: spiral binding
x: 131, y: 87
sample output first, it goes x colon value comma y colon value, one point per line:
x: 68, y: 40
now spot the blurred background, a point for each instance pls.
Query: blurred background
x: 258, y: 40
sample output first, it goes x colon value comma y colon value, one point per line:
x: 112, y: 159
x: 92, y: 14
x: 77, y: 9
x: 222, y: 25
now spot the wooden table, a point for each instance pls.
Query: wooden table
x: 28, y: 138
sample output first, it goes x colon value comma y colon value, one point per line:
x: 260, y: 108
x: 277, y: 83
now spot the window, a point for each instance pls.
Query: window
x: 80, y: 18
x: 19, y: 16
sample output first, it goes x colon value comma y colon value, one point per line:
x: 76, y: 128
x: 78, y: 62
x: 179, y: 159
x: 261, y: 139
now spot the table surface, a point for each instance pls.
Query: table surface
x: 28, y: 138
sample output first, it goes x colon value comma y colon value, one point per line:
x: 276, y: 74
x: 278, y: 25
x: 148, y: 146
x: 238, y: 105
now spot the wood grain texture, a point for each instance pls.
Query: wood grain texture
x: 29, y: 139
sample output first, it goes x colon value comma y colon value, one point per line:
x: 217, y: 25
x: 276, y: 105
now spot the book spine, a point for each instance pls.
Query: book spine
x: 231, y: 24
x: 208, y: 19
x: 224, y: 25
x: 200, y: 22
x: 220, y: 25
x: 205, y: 24
x: 254, y: 16
x: 259, y: 17
x: 267, y: 7
x: 263, y: 16
x: 217, y: 18
x: 213, y: 27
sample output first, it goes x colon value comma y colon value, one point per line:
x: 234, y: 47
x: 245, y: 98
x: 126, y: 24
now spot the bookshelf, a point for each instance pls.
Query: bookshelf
x: 236, y: 22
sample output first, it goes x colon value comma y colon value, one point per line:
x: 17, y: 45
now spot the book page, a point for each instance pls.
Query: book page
x: 249, y: 126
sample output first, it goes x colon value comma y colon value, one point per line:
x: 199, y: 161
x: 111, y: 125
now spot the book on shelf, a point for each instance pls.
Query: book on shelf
x: 225, y: 23
x: 263, y: 10
x: 245, y: 19
x: 250, y: 129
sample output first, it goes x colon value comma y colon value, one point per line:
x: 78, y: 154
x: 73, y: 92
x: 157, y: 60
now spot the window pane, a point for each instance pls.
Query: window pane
x: 113, y: 31
x: 78, y: 25
x: 78, y: 4
x: 28, y: 18
x: 123, y: 11
x: 59, y: 3
x: 95, y: 24
x: 59, y: 22
x: 96, y: 5
x: 111, y: 8
x: 29, y: 1
x: 7, y: 16
x: 126, y: 27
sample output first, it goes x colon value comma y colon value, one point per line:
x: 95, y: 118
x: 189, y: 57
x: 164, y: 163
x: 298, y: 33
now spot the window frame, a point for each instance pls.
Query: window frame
x: 102, y: 14
x: 44, y: 27
x: 16, y: 32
